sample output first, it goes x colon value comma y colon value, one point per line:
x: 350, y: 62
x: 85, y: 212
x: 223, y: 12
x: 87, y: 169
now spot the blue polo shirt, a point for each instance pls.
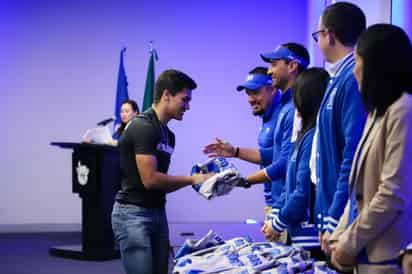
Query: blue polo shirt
x: 266, y: 139
x: 275, y: 158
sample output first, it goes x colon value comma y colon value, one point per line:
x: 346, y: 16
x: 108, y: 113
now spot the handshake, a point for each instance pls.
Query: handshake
x: 226, y: 177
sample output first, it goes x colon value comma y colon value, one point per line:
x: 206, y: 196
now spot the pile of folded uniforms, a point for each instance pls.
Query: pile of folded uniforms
x: 242, y: 256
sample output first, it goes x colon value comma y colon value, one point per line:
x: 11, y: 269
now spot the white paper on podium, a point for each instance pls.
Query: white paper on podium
x: 98, y: 135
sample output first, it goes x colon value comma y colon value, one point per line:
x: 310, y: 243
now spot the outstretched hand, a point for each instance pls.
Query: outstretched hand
x: 219, y: 148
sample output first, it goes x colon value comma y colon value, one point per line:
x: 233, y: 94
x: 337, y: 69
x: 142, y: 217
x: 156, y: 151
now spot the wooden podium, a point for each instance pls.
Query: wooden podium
x: 96, y: 178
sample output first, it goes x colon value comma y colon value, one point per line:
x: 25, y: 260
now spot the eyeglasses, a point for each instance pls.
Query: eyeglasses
x: 315, y: 35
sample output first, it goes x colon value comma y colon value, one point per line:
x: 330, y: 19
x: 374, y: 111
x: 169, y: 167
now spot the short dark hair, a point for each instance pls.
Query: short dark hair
x: 300, y: 51
x: 386, y: 52
x: 259, y: 70
x: 174, y: 81
x: 308, y: 91
x: 346, y: 20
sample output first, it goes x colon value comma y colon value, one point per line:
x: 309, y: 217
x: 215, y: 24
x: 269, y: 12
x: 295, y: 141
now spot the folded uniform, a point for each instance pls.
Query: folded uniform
x: 226, y: 178
x: 189, y: 246
x: 211, y: 255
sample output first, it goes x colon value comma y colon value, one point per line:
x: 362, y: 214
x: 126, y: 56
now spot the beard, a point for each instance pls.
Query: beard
x: 179, y: 117
x: 258, y: 112
x: 281, y: 84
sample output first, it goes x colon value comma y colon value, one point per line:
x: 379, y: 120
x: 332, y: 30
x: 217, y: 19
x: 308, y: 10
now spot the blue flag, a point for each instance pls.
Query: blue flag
x: 121, y: 92
x: 150, y: 81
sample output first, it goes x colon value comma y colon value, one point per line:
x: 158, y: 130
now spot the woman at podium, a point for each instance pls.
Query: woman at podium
x: 102, y: 135
x: 128, y: 111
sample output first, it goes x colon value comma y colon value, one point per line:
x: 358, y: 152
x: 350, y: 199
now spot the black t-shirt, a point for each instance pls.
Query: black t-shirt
x: 144, y: 135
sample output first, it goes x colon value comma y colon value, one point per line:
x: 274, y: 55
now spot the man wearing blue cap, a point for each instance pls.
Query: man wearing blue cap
x: 286, y: 62
x: 263, y: 99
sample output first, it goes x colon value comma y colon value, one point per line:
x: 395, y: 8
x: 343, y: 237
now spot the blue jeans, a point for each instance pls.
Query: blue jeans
x: 143, y: 237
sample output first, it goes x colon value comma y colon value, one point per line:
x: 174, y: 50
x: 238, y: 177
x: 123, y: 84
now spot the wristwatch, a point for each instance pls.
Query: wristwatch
x: 246, y: 184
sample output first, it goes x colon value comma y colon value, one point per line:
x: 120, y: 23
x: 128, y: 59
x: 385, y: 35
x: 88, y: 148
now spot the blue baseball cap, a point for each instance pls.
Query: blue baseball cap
x: 283, y: 53
x: 255, y: 82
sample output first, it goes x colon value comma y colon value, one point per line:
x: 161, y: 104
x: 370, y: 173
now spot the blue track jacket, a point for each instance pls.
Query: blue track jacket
x: 341, y: 120
x: 294, y: 210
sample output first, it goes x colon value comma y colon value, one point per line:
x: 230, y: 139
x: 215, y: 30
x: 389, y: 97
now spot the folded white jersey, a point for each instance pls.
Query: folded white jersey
x: 274, y: 249
x: 226, y: 178
x: 219, y: 184
x: 189, y: 246
x: 300, y: 266
x: 213, y: 165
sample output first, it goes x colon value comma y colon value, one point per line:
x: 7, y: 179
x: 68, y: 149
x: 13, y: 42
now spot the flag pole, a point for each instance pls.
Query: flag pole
x: 150, y: 78
x: 151, y: 46
x: 122, y: 93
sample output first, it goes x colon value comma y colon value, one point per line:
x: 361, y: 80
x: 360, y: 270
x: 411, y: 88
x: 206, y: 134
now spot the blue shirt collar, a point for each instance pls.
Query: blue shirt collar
x: 285, y: 96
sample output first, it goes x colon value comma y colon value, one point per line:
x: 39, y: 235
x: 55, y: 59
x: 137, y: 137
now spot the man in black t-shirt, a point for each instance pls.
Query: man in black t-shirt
x: 138, y: 218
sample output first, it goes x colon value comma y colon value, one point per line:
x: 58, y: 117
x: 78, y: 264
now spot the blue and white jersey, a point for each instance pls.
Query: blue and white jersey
x: 341, y: 120
x: 294, y: 210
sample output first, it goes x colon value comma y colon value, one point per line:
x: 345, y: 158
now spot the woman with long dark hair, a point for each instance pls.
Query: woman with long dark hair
x: 377, y: 219
x: 295, y: 211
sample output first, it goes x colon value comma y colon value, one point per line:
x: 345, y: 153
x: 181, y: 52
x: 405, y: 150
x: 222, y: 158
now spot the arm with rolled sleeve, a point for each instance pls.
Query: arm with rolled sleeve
x: 278, y: 167
x: 295, y: 209
x: 394, y: 191
x: 352, y: 121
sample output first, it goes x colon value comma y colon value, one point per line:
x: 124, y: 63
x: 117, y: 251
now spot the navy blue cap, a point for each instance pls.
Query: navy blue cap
x: 255, y: 82
x: 285, y: 54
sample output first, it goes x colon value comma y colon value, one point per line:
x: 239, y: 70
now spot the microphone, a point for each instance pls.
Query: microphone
x: 106, y: 121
